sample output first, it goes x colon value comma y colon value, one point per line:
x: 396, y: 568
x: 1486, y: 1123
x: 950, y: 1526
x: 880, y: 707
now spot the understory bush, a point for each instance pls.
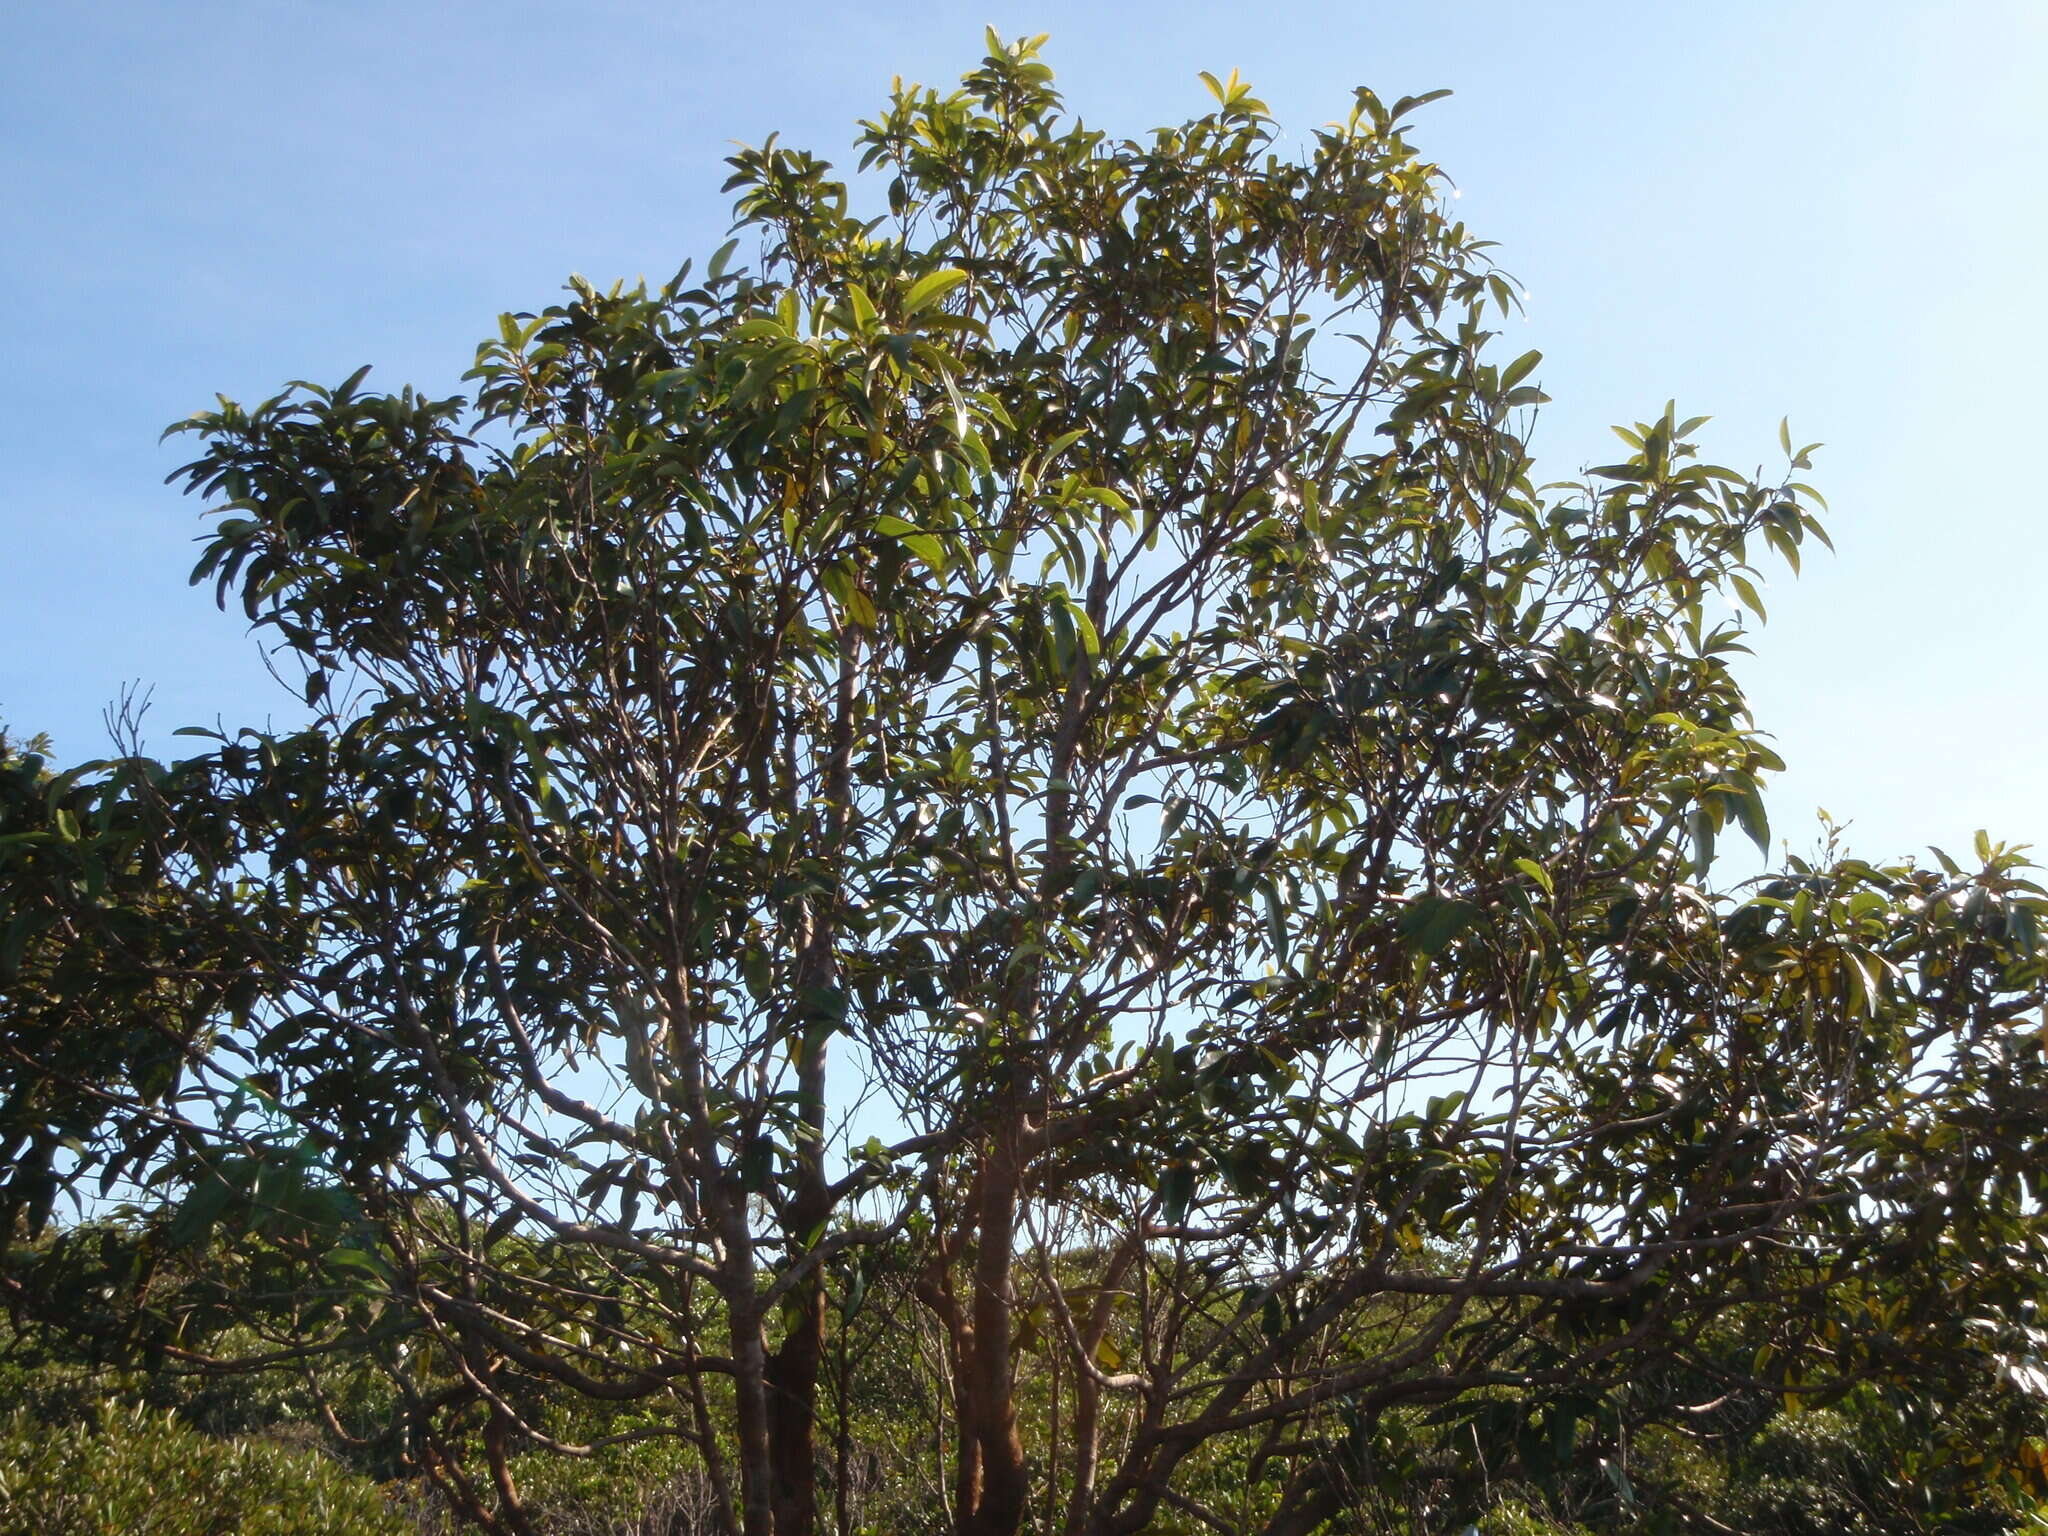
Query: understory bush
x: 141, y: 1473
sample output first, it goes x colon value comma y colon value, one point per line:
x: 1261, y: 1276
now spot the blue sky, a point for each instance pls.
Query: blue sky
x: 1829, y: 210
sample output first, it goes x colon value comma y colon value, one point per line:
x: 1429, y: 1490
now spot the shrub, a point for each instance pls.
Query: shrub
x: 144, y: 1474
x: 650, y: 1489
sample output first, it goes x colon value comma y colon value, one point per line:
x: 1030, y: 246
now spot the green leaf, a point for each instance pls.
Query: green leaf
x: 930, y: 289
x: 1748, y: 804
x: 356, y: 1261
x: 1408, y: 104
x: 1084, y: 627
x: 1176, y: 1190
x: 1430, y: 923
x: 204, y: 1206
x: 1276, y: 923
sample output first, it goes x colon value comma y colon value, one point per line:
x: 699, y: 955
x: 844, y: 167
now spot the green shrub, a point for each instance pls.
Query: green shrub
x: 1513, y: 1517
x: 144, y: 1474
x: 654, y: 1488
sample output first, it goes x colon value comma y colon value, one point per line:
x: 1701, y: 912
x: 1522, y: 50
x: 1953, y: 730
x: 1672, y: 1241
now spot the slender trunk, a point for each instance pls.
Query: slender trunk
x: 1087, y: 1450
x: 990, y: 1373
x: 444, y: 1471
x: 1088, y: 1391
x: 1317, y: 1495
x: 967, y: 1449
x: 842, y: 1439
x: 792, y: 1412
x: 714, y: 1456
x: 934, y: 1287
x: 792, y: 1379
x: 497, y: 1454
x: 750, y: 1392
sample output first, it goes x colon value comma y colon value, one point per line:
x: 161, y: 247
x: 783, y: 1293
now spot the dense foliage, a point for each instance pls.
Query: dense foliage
x: 138, y: 1475
x: 232, y: 1448
x: 1013, y: 859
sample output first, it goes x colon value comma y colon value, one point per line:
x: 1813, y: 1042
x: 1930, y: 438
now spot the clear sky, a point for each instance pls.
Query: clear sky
x: 1820, y: 208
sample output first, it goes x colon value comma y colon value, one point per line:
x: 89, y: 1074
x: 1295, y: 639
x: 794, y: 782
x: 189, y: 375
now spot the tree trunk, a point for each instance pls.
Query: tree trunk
x: 792, y: 1392
x: 750, y: 1393
x: 988, y: 1372
x: 842, y: 1441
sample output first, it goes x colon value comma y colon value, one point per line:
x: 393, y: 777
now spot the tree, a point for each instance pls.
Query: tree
x: 1040, y: 756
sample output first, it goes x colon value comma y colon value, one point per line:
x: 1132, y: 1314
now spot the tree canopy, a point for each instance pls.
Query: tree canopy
x: 1023, y: 755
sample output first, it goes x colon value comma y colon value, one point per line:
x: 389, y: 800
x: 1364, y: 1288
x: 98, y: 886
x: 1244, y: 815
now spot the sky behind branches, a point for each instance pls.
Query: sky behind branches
x: 1828, y: 210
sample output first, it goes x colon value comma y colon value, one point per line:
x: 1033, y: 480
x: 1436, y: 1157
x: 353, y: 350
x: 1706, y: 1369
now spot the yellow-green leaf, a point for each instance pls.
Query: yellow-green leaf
x: 931, y: 288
